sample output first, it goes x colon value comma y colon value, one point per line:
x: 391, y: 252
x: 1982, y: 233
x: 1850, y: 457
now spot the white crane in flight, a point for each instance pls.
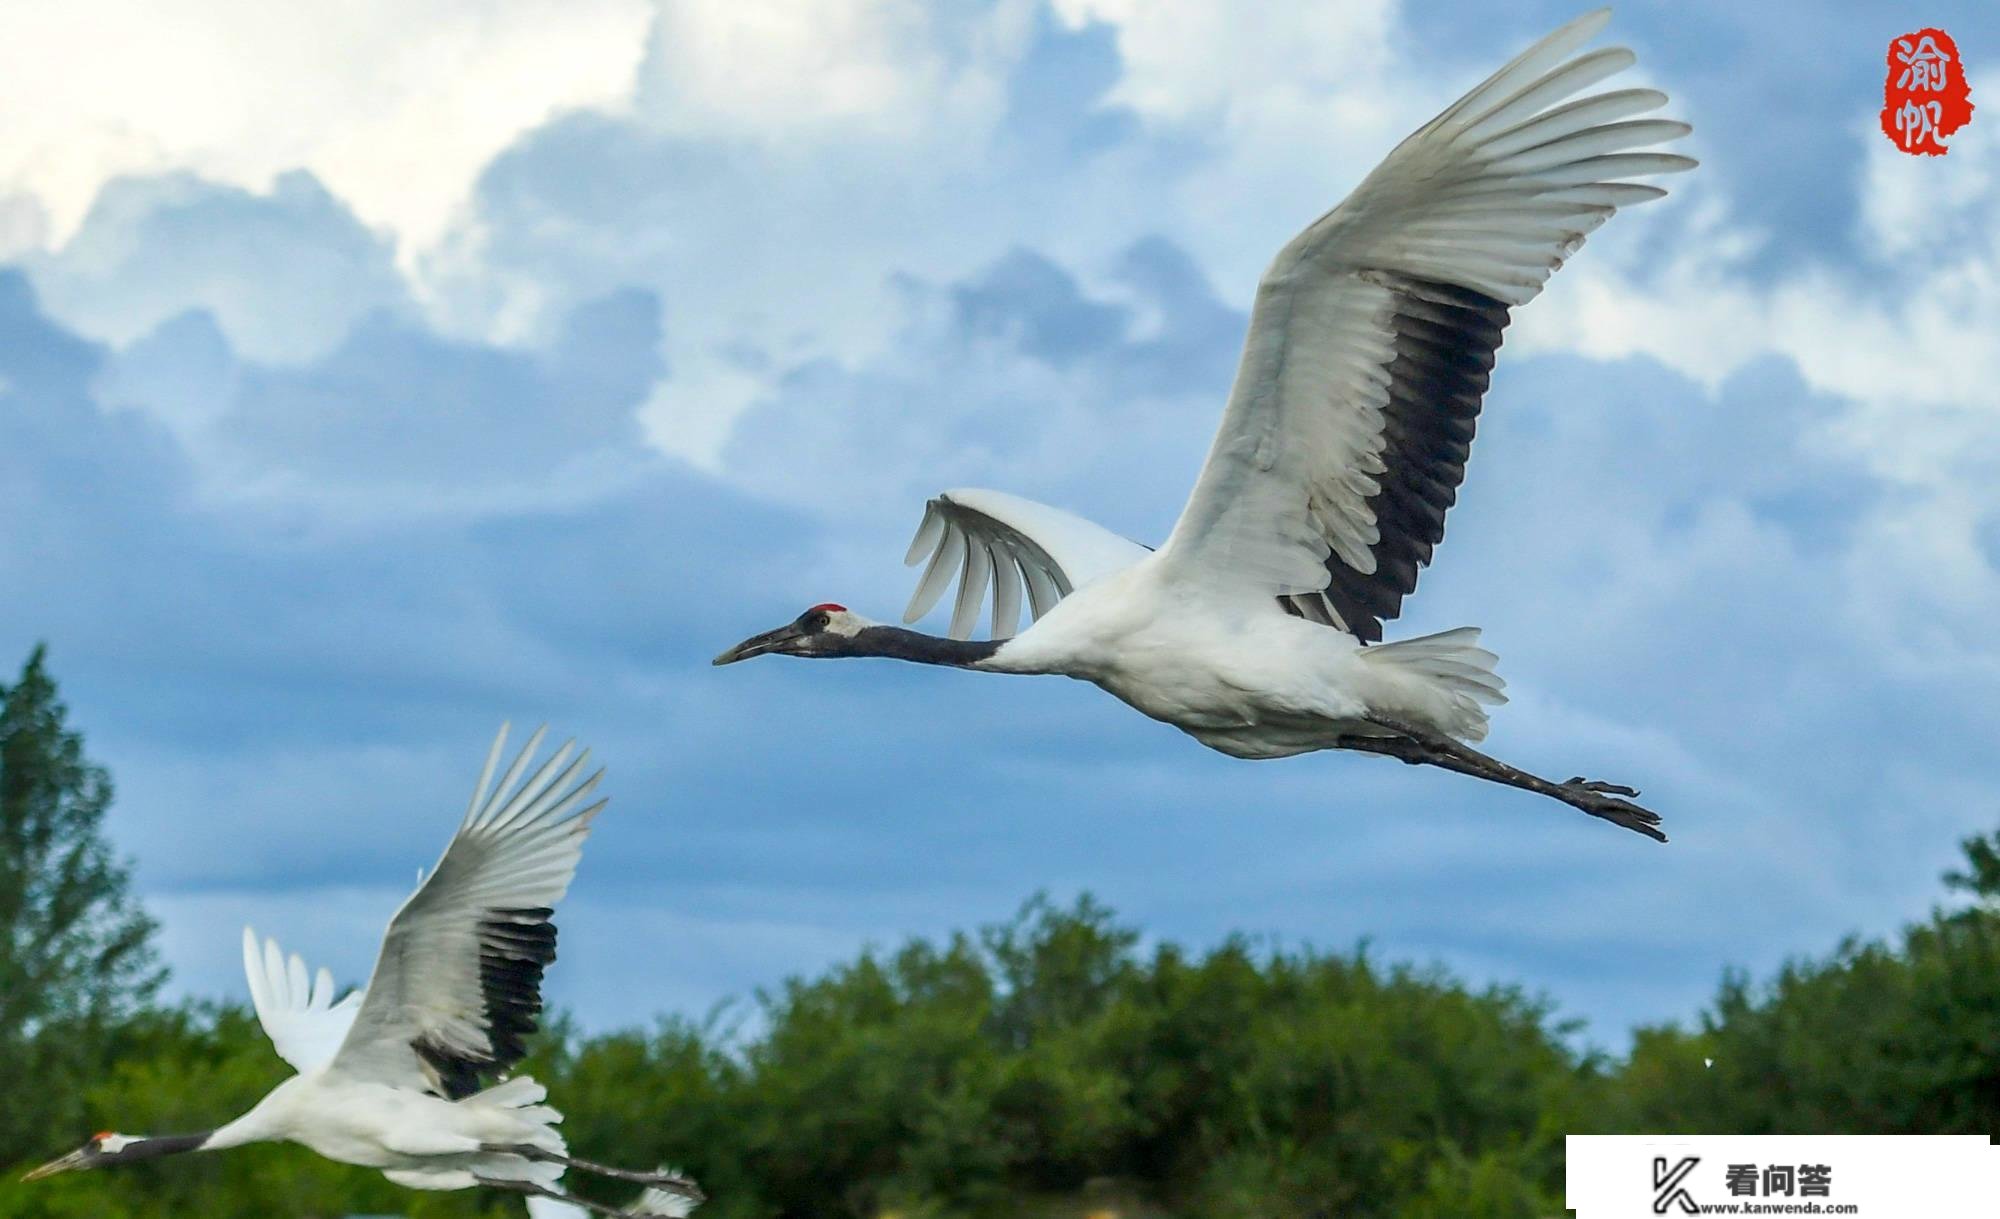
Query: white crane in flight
x: 1343, y: 445
x: 407, y: 1075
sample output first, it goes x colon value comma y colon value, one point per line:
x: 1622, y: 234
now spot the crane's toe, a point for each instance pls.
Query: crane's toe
x: 1599, y: 800
x: 1602, y: 788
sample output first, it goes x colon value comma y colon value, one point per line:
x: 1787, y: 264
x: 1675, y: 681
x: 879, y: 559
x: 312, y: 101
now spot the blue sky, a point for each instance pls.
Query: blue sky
x: 368, y: 383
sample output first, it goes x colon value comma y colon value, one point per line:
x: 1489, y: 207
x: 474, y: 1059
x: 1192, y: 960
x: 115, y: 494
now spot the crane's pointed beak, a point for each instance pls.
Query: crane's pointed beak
x: 75, y: 1159
x: 780, y: 640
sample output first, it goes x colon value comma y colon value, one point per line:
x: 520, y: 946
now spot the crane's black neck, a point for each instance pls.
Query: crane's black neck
x: 898, y: 644
x: 156, y: 1146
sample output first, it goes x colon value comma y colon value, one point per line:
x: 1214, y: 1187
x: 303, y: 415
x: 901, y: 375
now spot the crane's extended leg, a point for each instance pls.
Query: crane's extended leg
x: 1416, y: 744
x: 533, y: 1190
x: 672, y: 1182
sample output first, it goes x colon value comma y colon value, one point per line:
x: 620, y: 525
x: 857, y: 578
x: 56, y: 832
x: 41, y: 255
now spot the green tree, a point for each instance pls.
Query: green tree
x: 1879, y: 1037
x: 75, y: 950
x: 1049, y: 1068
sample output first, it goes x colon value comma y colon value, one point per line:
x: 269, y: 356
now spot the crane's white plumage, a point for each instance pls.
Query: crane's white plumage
x: 303, y: 1022
x: 979, y: 535
x: 653, y: 1203
x: 1341, y: 450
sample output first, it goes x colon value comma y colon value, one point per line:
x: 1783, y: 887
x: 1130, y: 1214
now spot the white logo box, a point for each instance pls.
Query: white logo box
x: 1876, y: 1176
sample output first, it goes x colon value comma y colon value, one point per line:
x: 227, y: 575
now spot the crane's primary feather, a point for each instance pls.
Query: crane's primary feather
x: 1373, y: 335
x: 457, y: 985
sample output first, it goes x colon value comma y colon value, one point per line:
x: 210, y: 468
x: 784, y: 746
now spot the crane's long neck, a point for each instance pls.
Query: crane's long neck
x: 898, y: 644
x: 152, y: 1147
x: 167, y: 1144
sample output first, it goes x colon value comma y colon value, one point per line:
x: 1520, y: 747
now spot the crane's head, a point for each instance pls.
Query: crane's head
x: 824, y: 630
x: 104, y: 1147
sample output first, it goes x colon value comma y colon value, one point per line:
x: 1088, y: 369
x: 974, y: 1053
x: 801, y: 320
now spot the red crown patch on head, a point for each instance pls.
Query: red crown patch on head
x: 100, y: 1136
x: 829, y: 607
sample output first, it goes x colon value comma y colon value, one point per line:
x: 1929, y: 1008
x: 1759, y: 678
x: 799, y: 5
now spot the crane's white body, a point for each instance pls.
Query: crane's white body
x: 1239, y: 674
x: 416, y: 1139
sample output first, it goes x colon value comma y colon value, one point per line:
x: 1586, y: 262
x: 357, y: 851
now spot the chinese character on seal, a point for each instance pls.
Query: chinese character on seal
x: 1925, y: 96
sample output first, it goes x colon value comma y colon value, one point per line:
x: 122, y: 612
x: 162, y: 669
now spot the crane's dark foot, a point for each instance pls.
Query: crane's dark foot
x: 1606, y: 800
x: 1415, y: 743
x: 531, y: 1190
x: 667, y: 1179
x: 1608, y: 789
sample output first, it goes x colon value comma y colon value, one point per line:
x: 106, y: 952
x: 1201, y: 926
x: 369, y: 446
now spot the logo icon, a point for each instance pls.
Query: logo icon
x: 1668, y: 1188
x: 1925, y: 96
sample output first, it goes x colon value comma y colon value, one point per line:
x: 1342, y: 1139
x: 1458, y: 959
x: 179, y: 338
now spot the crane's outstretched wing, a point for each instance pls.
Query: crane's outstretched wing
x: 1374, y: 332
x: 458, y: 982
x: 297, y: 1011
x: 985, y: 537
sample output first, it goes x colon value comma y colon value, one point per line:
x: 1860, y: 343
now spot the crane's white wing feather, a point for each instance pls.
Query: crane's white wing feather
x: 990, y: 538
x: 654, y: 1203
x: 297, y: 1010
x: 658, y: 1203
x: 458, y: 982
x: 1373, y: 333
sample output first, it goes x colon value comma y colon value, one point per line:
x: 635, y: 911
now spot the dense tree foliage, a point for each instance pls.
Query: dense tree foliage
x: 1877, y: 1038
x: 1050, y: 1058
x: 1055, y: 1067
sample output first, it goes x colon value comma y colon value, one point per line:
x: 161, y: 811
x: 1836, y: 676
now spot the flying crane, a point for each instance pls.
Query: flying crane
x: 1256, y: 627
x: 408, y: 1074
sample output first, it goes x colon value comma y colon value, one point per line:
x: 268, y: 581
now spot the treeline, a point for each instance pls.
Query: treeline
x: 1052, y: 1068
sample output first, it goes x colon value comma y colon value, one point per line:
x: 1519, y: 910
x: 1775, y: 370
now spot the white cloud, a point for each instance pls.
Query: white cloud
x: 770, y: 69
x: 396, y: 107
x: 24, y: 225
x: 287, y: 273
x: 1907, y: 319
x: 781, y: 165
x: 1186, y: 59
x: 1294, y: 102
x: 1899, y: 336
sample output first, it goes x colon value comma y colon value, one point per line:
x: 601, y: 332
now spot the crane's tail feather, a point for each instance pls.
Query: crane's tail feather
x: 518, y: 1112
x: 1451, y: 668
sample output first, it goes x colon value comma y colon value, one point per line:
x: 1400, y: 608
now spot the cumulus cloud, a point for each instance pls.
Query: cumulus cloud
x: 395, y: 107
x: 286, y: 273
x: 769, y: 70
x: 395, y: 407
x: 398, y: 423
x: 783, y: 231
x: 1891, y: 331
x: 1014, y: 377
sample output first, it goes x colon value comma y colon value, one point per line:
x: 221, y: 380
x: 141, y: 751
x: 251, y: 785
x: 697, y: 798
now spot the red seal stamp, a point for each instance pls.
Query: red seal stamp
x: 1925, y: 97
